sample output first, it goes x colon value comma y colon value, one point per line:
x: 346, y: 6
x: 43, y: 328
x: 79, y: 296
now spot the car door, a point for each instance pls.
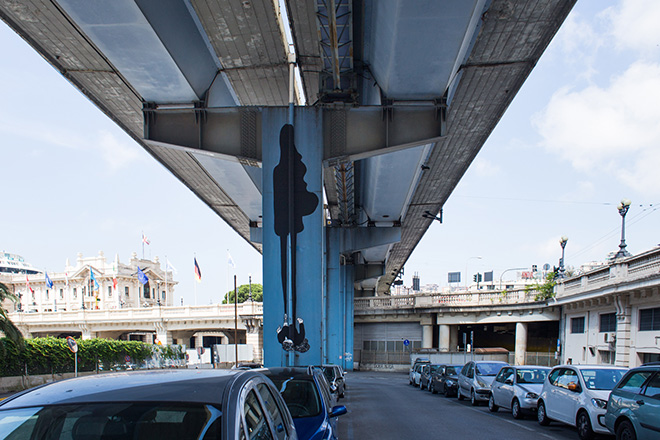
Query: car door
x: 502, y: 388
x: 465, y: 379
x: 648, y: 412
x: 274, y: 411
x: 255, y: 424
x: 566, y: 397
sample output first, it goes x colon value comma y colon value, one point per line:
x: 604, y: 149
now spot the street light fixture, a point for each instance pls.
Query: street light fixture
x: 466, y: 270
x: 513, y: 268
x: 623, y: 207
x: 562, y: 270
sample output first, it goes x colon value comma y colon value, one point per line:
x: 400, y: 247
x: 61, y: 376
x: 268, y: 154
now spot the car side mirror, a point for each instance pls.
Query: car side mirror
x: 338, y: 410
x: 509, y: 381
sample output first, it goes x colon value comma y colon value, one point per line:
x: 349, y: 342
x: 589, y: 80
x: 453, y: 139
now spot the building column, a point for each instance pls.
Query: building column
x: 164, y: 336
x: 623, y: 329
x: 453, y: 338
x: 427, y: 335
x: 445, y: 338
x: 199, y: 340
x: 86, y: 333
x: 521, y: 343
x: 254, y: 335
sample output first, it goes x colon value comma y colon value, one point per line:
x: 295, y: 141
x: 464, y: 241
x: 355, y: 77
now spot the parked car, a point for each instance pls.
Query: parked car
x: 413, y: 374
x: 416, y: 374
x: 445, y: 380
x: 633, y: 409
x: 517, y: 388
x: 426, y: 373
x: 577, y: 395
x: 308, y: 398
x: 162, y: 404
x: 335, y: 375
x: 475, y: 379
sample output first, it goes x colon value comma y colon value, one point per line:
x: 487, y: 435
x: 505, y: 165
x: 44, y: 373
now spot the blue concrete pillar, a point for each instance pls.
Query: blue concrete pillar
x: 293, y: 262
x: 339, y: 300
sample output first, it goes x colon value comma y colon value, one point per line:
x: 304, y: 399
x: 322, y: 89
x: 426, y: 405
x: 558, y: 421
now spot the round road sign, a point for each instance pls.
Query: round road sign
x: 73, y: 345
x: 406, y: 342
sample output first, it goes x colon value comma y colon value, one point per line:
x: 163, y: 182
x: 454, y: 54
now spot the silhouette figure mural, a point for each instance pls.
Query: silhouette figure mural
x: 292, y: 202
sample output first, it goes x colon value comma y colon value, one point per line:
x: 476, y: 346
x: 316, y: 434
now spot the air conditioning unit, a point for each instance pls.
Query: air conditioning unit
x: 610, y: 337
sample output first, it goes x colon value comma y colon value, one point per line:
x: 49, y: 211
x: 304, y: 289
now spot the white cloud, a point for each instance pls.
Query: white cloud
x: 116, y: 153
x: 634, y: 25
x: 615, y: 129
x: 485, y: 168
x: 578, y: 42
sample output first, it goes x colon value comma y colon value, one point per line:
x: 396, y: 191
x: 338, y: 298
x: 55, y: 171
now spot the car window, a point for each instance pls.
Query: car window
x: 270, y: 404
x: 653, y: 388
x: 255, y: 421
x: 531, y: 375
x: 449, y: 371
x: 324, y: 387
x: 601, y: 379
x: 329, y: 373
x: 112, y: 420
x: 488, y: 369
x: 435, y: 368
x: 566, y: 378
x: 554, y: 376
x: 301, y: 396
x: 633, y: 383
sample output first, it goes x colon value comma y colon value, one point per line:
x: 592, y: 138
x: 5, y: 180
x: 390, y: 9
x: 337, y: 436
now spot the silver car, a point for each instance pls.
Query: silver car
x: 517, y: 388
x: 475, y: 379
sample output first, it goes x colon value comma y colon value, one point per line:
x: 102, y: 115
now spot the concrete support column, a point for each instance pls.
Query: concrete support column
x: 521, y: 343
x: 255, y: 336
x: 427, y: 336
x: 445, y: 338
x: 453, y: 338
x: 163, y: 336
x: 623, y: 330
x: 199, y: 340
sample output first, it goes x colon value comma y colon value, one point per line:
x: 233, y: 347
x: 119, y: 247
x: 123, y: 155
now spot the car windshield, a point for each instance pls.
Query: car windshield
x: 488, y: 369
x: 434, y: 368
x: 451, y: 371
x: 112, y: 421
x: 601, y: 378
x: 301, y: 396
x: 531, y: 375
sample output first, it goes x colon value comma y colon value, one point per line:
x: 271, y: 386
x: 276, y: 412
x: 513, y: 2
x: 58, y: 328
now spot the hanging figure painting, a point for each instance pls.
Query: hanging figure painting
x: 292, y: 202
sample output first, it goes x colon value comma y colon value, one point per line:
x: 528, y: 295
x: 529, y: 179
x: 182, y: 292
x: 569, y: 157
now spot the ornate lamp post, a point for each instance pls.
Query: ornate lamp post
x: 623, y: 207
x: 562, y: 242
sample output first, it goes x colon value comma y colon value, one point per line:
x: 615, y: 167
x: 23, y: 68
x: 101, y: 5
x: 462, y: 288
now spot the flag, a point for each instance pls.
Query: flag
x: 230, y: 260
x: 198, y: 273
x: 91, y: 276
x: 27, y: 284
x: 49, y: 283
x: 142, y: 277
x: 170, y: 267
x: 145, y: 240
x: 114, y: 283
x: 66, y: 278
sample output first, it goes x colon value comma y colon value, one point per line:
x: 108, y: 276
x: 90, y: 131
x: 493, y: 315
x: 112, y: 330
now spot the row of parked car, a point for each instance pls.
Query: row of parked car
x: 298, y: 403
x: 596, y: 399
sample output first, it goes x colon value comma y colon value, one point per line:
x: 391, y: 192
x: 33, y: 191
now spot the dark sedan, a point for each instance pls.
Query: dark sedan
x: 305, y: 391
x: 163, y: 405
x: 445, y: 380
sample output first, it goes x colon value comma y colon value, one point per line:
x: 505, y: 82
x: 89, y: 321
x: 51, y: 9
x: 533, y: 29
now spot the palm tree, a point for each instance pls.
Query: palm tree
x: 6, y: 326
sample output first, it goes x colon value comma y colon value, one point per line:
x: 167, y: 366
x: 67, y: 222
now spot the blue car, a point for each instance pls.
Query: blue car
x: 307, y: 395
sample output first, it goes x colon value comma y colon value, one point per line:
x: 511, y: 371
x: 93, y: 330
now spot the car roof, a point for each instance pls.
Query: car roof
x: 286, y: 372
x: 517, y: 367
x: 198, y: 386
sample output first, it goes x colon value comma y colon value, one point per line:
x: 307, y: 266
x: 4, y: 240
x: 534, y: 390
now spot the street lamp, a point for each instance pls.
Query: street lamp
x: 562, y: 242
x: 623, y: 207
x: 513, y: 268
x: 466, y: 272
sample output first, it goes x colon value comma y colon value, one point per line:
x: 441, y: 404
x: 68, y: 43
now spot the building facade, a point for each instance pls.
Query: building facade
x: 92, y: 283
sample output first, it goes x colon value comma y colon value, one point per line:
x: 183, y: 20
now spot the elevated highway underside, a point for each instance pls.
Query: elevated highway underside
x: 393, y: 100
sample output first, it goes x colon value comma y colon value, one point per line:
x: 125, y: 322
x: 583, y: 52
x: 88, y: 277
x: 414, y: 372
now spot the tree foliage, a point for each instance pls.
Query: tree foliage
x: 547, y: 289
x: 6, y: 326
x: 244, y: 292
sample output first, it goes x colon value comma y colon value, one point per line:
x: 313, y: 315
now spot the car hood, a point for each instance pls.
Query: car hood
x: 307, y: 427
x: 531, y: 388
x: 598, y: 394
x: 488, y: 380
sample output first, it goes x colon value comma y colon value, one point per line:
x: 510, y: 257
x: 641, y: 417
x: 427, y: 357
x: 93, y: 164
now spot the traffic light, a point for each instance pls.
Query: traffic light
x: 479, y: 277
x: 474, y: 277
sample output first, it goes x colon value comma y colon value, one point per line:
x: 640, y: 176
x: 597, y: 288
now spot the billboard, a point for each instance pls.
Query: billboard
x: 454, y: 277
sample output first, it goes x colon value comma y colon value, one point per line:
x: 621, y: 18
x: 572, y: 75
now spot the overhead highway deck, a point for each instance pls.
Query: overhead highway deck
x: 393, y: 100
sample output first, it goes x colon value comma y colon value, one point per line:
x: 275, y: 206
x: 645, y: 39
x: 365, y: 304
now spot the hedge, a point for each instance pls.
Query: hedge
x: 51, y: 355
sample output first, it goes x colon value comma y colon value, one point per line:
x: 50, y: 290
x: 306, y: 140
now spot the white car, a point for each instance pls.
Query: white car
x: 577, y: 395
x: 517, y: 388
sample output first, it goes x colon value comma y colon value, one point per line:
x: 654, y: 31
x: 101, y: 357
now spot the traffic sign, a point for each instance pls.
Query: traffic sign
x: 200, y: 350
x: 127, y: 359
x: 406, y: 342
x: 72, y: 344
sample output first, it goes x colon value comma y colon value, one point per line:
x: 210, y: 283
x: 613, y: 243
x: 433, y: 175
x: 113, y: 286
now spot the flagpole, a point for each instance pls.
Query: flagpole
x: 143, y: 245
x: 195, y: 283
x: 167, y: 295
x: 235, y: 322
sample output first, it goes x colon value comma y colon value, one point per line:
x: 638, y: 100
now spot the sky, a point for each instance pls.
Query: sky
x: 582, y: 133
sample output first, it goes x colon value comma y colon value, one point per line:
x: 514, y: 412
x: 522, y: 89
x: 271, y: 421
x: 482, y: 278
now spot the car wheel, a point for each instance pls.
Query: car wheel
x: 459, y: 395
x: 585, y: 432
x: 491, y: 404
x: 516, y: 412
x: 541, y: 416
x: 625, y: 431
x: 421, y: 384
x: 473, y: 399
x: 432, y: 388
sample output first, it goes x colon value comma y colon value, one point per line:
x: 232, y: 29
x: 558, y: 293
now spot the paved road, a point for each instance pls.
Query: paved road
x: 383, y: 406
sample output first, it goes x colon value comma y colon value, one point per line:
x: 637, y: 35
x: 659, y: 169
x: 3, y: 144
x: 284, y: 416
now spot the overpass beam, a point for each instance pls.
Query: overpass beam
x: 521, y: 343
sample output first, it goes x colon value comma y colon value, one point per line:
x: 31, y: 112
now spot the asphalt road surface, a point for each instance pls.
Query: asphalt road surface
x: 384, y: 406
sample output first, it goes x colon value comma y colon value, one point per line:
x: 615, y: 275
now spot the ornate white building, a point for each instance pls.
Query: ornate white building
x: 93, y: 284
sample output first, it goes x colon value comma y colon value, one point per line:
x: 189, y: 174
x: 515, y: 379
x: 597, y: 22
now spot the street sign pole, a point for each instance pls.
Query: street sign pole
x: 73, y: 346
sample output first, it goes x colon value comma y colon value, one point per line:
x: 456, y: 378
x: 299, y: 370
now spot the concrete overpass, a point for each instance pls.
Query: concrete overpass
x: 303, y: 169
